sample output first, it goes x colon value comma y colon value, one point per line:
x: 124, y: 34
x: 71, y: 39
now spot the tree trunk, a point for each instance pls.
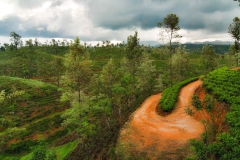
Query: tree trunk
x: 171, y: 73
x: 79, y: 92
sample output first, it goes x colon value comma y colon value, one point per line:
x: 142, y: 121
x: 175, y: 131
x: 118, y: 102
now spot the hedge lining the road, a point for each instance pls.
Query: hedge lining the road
x: 170, y: 95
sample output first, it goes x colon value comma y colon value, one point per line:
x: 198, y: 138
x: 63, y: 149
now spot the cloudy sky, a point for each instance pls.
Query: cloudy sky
x: 115, y: 20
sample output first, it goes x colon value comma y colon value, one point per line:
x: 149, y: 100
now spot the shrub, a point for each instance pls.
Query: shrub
x: 170, y: 95
x: 39, y: 153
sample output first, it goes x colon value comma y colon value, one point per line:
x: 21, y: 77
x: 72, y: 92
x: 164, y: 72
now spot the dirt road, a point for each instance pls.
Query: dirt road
x: 162, y: 136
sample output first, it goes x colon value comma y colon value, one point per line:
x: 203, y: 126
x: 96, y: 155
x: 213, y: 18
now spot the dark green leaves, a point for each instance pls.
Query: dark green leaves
x: 170, y: 95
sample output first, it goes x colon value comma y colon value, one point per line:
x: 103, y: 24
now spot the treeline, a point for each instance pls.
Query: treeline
x: 219, y: 48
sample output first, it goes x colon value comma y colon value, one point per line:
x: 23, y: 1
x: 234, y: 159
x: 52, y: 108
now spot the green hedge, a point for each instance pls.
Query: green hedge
x: 21, y: 146
x: 224, y: 84
x: 170, y: 95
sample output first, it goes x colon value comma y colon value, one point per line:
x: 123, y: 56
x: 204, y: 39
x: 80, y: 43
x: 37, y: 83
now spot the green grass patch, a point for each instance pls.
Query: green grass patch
x: 66, y: 149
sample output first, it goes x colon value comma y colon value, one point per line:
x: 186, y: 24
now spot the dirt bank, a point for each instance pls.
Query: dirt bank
x: 161, y: 136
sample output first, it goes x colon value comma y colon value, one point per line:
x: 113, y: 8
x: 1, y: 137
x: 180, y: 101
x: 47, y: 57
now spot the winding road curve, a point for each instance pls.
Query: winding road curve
x: 148, y: 131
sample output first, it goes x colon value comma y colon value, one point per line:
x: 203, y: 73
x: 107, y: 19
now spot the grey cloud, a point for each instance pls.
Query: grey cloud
x: 36, y: 3
x: 106, y: 18
x: 8, y: 25
x: 12, y: 24
x: 146, y: 13
x: 29, y: 3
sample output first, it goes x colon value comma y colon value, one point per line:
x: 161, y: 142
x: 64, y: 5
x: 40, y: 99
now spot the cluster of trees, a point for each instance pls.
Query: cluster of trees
x: 17, y: 42
x: 107, y: 98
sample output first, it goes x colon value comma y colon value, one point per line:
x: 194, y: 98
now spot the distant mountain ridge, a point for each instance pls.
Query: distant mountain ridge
x: 216, y: 42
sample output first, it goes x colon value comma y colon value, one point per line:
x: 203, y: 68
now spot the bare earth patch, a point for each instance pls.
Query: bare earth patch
x: 235, y: 68
x: 162, y: 136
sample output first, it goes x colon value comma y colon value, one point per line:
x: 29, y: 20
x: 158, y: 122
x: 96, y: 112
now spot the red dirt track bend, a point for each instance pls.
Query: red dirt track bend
x: 148, y: 132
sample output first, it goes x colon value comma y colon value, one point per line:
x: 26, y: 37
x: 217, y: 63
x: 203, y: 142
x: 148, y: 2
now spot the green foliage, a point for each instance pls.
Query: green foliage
x: 35, y: 93
x: 201, y: 149
x: 39, y: 153
x: 189, y: 111
x: 14, y: 132
x: 51, y: 155
x: 26, y: 63
x: 170, y: 24
x: 224, y: 85
x: 77, y: 65
x: 227, y: 147
x: 180, y: 64
x: 55, y: 136
x: 17, y: 120
x: 146, y: 74
x: 219, y: 48
x: 208, y: 58
x: 169, y: 28
x: 133, y: 50
x: 77, y: 76
x: 119, y: 86
x: 233, y: 30
x: 170, y: 95
x: 133, y: 54
x: 196, y: 102
x: 16, y: 39
x: 2, y: 96
x: 21, y: 146
x: 209, y: 102
x: 63, y: 151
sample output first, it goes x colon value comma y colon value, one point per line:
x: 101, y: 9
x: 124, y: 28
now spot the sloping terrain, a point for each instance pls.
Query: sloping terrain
x: 29, y: 118
x: 161, y: 136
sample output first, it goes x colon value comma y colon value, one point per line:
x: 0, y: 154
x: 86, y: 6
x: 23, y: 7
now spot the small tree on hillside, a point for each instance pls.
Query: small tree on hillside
x: 180, y: 64
x: 77, y: 65
x: 234, y: 31
x: 208, y: 58
x: 169, y: 28
x: 75, y: 80
x: 16, y: 39
x: 133, y: 54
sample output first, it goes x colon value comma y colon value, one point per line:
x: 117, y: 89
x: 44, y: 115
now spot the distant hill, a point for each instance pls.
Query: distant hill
x: 149, y: 43
x: 219, y: 48
x: 216, y: 42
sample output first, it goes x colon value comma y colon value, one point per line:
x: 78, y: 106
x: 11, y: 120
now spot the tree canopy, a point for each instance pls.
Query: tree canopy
x: 234, y: 31
x: 169, y: 28
x: 16, y: 39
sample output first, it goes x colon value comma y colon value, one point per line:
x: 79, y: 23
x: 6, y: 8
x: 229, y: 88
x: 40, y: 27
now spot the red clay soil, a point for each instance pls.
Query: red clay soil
x: 236, y: 68
x: 163, y: 136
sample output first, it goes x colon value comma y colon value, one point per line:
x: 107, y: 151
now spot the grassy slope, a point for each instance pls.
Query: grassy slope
x: 26, y: 63
x: 224, y: 84
x: 38, y: 110
x: 61, y: 151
